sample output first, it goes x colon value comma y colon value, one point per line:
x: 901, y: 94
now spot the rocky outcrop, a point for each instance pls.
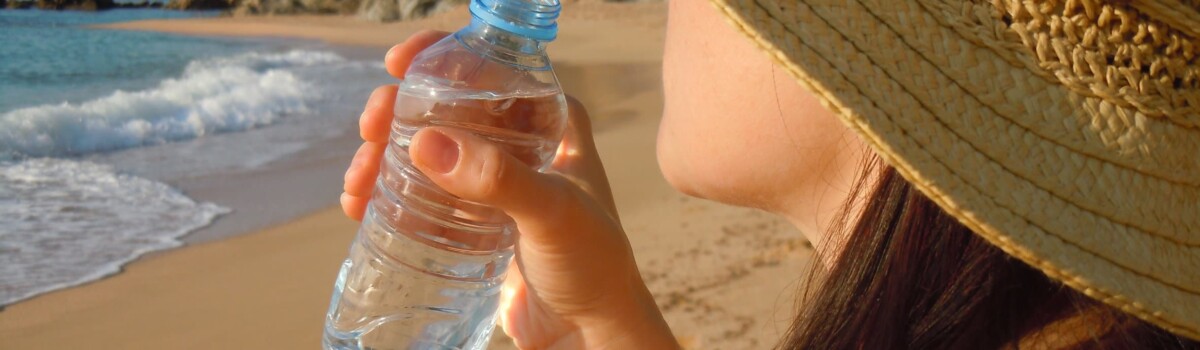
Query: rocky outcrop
x: 84, y: 5
x: 392, y: 10
x: 256, y: 7
x: 376, y: 10
x: 199, y: 4
x: 139, y: 5
x: 18, y: 5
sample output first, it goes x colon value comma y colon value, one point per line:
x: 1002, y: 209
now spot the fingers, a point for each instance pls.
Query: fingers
x: 578, y: 159
x: 576, y: 138
x: 400, y: 56
x: 374, y: 127
x: 360, y: 179
x: 364, y: 168
x: 354, y: 207
x: 477, y: 170
x: 375, y: 123
x: 513, y: 309
x: 581, y: 123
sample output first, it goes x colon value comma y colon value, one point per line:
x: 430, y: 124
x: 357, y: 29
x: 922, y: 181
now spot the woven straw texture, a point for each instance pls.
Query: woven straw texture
x: 1065, y: 132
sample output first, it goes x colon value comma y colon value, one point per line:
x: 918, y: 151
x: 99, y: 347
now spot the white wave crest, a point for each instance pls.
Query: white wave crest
x: 212, y: 95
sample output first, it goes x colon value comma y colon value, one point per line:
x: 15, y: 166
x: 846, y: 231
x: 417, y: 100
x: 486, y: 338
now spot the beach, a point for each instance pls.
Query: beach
x: 725, y: 277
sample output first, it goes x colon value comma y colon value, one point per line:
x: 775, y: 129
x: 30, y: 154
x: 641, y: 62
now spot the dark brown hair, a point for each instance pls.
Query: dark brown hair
x: 910, y: 276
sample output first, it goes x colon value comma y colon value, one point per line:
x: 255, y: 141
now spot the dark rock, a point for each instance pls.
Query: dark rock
x: 252, y: 7
x: 199, y: 4
x: 391, y: 10
x: 83, y: 5
x: 94, y: 5
x: 377, y: 10
x: 19, y: 4
x: 139, y: 5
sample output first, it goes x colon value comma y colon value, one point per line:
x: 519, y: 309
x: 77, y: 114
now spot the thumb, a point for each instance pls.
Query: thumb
x: 477, y: 170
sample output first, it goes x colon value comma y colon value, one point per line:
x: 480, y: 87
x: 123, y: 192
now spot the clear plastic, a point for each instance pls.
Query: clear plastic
x: 426, y: 267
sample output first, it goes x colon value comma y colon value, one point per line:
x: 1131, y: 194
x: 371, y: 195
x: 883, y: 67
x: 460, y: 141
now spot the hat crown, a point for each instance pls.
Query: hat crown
x: 1137, y: 54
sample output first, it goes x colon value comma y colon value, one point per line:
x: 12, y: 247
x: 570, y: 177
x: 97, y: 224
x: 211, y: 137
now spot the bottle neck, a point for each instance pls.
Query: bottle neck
x: 502, y: 45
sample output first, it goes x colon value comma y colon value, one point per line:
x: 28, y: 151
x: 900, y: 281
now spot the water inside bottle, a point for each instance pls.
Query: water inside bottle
x: 426, y: 268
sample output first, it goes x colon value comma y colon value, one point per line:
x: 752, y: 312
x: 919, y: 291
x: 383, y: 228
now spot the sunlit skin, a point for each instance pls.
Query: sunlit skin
x: 736, y: 129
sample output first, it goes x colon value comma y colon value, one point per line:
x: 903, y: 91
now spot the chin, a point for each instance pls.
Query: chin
x: 691, y: 182
x: 683, y: 179
x: 681, y: 185
x: 671, y: 165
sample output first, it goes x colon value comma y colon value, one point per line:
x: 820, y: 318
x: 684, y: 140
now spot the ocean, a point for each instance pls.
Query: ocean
x: 115, y: 144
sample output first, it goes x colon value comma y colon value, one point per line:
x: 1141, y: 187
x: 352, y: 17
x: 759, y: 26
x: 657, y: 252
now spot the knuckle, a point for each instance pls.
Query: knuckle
x: 578, y: 114
x: 364, y: 124
x: 558, y: 198
x: 573, y: 102
x: 493, y: 173
x: 372, y: 104
x: 379, y: 97
x: 362, y: 151
x: 393, y: 51
x: 376, y: 95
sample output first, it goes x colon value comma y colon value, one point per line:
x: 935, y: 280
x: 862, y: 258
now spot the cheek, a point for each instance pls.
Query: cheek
x: 681, y: 130
x: 720, y: 123
x: 673, y: 143
x: 721, y: 141
x: 688, y: 147
x: 692, y: 135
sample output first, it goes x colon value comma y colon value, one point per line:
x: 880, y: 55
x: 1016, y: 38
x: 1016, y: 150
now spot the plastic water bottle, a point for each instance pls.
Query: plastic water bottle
x: 426, y: 267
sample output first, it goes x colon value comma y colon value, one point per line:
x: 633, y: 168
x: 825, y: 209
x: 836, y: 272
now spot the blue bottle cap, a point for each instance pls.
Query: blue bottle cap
x: 534, y: 19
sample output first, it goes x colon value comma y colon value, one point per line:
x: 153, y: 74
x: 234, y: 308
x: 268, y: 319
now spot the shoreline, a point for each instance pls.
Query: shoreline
x: 708, y: 265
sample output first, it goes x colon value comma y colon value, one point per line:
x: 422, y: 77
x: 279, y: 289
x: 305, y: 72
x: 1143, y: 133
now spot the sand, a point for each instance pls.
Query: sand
x: 724, y: 277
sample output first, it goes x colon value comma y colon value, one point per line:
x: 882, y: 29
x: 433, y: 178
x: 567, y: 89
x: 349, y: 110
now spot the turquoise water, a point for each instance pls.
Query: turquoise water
x: 52, y: 57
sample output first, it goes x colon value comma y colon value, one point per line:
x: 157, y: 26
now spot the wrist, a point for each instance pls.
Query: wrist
x: 633, y: 323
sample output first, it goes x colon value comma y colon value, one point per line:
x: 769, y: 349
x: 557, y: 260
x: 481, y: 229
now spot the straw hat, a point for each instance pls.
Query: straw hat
x: 1066, y: 132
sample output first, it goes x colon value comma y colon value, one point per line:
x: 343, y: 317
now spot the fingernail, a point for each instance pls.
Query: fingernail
x: 438, y: 152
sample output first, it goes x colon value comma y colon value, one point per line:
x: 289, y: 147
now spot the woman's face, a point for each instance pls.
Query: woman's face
x: 738, y: 129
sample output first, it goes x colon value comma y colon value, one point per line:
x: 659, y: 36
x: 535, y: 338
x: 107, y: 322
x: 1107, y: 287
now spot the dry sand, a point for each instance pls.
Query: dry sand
x: 724, y: 277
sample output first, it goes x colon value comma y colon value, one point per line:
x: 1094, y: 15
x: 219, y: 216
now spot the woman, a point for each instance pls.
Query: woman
x: 974, y: 175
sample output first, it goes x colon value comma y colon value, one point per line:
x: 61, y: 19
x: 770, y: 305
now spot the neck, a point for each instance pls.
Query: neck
x: 828, y: 209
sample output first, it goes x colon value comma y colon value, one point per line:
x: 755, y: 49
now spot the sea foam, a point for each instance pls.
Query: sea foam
x: 69, y: 222
x: 210, y: 96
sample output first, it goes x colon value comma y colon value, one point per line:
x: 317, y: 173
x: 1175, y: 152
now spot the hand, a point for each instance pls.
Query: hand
x: 575, y: 284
